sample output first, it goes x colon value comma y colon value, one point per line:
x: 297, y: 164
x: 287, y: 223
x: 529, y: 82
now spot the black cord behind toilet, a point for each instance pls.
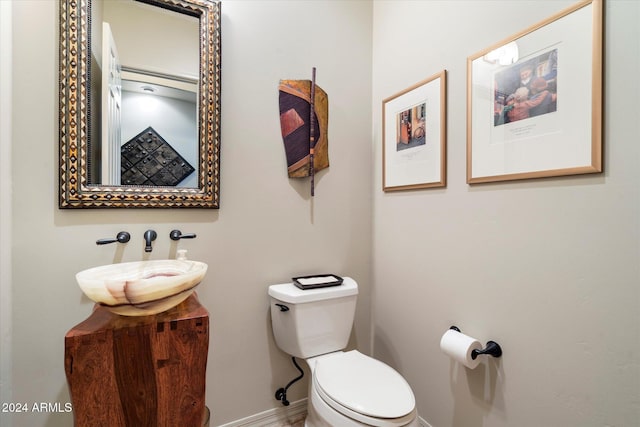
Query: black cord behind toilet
x: 281, y: 393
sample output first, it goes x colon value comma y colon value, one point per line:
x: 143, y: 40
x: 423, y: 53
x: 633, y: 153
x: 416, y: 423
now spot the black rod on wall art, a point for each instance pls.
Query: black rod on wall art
x: 312, y: 135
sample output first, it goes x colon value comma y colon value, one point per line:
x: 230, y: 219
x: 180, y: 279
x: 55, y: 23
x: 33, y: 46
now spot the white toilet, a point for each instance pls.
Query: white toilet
x: 347, y: 388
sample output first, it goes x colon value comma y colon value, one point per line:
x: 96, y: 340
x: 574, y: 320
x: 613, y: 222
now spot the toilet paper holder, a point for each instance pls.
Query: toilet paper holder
x: 492, y: 348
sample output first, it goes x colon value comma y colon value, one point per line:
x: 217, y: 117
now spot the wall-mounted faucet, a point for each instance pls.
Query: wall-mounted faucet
x: 122, y: 237
x: 149, y: 236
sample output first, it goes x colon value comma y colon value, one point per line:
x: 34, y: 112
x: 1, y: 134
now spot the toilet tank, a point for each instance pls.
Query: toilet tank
x: 311, y: 322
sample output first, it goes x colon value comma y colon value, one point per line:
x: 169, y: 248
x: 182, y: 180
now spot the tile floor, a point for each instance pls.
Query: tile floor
x: 295, y: 422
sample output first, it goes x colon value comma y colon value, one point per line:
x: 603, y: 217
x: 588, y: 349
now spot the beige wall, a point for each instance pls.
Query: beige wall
x: 548, y: 268
x: 5, y: 201
x: 266, y: 231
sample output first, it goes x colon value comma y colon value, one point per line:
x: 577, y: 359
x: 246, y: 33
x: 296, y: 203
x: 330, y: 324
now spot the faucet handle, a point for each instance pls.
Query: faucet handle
x: 122, y: 237
x: 177, y: 235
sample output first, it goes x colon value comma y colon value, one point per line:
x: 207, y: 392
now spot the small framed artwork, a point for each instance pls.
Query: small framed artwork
x: 534, y: 100
x: 414, y: 136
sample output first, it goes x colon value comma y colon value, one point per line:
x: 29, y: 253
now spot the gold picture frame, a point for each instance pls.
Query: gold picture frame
x: 552, y: 127
x: 414, y: 136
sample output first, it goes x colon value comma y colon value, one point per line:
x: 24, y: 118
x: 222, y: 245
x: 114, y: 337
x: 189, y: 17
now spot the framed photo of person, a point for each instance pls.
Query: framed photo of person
x: 534, y: 100
x: 414, y: 136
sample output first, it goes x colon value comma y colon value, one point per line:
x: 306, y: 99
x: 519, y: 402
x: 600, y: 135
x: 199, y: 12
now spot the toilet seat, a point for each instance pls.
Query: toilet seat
x: 364, y: 389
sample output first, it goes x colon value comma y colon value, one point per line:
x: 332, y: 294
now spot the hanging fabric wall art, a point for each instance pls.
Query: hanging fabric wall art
x: 304, y: 134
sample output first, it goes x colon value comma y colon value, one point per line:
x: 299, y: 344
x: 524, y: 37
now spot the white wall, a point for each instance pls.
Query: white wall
x: 144, y: 41
x: 266, y: 231
x: 548, y: 268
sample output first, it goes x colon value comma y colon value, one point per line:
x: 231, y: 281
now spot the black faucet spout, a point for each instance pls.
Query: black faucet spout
x: 149, y: 236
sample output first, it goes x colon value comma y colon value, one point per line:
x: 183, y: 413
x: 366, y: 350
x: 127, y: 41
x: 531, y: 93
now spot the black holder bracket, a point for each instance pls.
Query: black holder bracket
x: 492, y: 348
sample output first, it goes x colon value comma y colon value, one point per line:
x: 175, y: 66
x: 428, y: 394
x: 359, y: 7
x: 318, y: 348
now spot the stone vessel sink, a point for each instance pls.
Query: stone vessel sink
x: 142, y: 288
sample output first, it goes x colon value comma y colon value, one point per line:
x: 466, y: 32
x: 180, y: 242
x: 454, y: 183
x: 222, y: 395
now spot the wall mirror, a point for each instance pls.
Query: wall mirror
x: 139, y: 103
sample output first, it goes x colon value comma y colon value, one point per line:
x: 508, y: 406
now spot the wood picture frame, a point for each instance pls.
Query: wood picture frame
x: 414, y: 136
x: 552, y: 127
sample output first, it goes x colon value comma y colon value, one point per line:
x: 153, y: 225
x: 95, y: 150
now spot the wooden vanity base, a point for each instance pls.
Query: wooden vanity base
x: 146, y: 371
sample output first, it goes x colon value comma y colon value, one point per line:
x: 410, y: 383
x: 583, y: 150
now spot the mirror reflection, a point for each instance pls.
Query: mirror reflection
x: 139, y: 103
x: 144, y: 74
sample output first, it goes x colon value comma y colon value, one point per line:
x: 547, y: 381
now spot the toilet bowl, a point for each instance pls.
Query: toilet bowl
x: 347, y: 388
x: 352, y: 389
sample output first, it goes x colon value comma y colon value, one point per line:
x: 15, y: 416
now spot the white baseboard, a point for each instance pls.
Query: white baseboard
x: 284, y: 416
x: 275, y: 417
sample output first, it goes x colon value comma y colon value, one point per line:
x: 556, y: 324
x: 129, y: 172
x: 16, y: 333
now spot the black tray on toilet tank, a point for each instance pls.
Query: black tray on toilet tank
x: 317, y: 281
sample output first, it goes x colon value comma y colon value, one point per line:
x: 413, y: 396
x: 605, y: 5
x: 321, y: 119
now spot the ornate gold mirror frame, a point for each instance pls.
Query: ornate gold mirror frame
x: 74, y: 113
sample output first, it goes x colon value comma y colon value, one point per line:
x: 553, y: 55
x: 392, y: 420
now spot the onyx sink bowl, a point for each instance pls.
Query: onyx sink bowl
x: 142, y: 288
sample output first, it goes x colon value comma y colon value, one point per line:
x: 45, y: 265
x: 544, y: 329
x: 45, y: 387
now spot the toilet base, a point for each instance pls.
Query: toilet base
x: 319, y: 414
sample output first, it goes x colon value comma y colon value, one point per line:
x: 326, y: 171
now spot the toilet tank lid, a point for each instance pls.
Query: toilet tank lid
x: 288, y: 292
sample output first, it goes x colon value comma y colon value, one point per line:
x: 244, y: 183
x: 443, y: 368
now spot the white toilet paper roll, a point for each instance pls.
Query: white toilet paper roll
x: 459, y: 347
